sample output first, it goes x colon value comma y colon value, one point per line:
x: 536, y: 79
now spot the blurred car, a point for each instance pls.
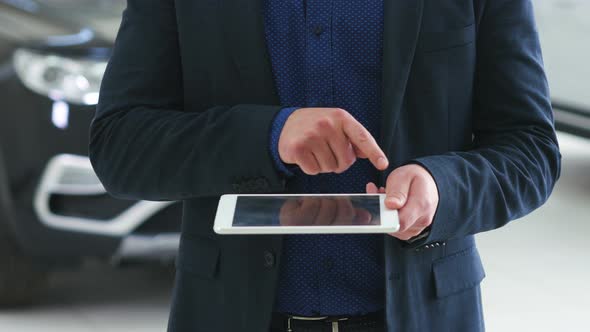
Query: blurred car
x: 572, y: 118
x: 54, y: 212
x: 563, y: 29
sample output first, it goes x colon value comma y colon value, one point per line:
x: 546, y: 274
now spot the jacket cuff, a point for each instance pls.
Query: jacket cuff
x: 438, y: 230
x: 275, y: 134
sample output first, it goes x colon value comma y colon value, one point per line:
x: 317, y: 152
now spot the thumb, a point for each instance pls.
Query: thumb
x: 397, y: 189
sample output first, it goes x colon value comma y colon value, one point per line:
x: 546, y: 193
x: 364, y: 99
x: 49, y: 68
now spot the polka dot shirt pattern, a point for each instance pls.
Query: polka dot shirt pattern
x: 327, y: 53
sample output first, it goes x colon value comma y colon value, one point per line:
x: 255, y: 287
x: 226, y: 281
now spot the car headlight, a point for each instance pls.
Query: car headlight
x: 60, y: 78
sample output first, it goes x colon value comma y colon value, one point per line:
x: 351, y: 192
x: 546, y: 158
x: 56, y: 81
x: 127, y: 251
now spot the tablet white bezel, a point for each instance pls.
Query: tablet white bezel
x: 226, y: 210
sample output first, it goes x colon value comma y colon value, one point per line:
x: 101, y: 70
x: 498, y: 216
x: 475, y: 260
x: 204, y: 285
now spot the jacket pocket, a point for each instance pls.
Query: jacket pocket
x: 198, y: 256
x: 457, y: 272
x: 432, y: 41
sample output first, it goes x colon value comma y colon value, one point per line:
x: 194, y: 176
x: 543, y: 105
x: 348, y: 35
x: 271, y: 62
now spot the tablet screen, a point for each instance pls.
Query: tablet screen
x: 307, y: 211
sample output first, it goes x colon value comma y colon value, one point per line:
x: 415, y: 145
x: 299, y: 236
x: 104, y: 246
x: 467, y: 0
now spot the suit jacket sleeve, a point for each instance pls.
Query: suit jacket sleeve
x: 515, y: 161
x: 145, y: 145
x: 275, y: 135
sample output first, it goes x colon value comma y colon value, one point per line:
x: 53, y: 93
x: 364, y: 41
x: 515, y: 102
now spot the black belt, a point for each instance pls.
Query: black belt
x: 371, y: 322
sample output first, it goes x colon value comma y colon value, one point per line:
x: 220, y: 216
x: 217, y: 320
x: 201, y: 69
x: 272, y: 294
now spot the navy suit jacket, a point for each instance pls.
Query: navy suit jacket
x: 188, y: 100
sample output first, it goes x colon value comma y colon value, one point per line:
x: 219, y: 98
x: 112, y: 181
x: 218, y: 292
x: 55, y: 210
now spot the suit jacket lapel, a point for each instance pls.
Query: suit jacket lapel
x: 245, y: 39
x: 403, y: 19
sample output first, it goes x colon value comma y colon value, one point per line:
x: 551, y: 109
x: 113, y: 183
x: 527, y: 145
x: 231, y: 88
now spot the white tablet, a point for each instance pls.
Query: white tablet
x: 304, y: 214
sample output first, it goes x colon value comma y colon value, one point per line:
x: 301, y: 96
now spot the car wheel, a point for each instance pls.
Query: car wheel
x: 21, y: 279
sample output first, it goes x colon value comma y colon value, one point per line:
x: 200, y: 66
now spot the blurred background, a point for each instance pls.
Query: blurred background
x: 74, y: 259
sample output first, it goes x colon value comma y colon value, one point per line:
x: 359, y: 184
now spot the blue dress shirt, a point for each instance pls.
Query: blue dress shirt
x: 327, y: 53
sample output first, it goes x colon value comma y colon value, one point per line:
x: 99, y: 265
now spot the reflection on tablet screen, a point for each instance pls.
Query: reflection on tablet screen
x: 306, y: 211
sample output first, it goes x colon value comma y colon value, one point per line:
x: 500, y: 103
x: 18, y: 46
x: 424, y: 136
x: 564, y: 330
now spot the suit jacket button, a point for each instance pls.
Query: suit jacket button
x: 269, y: 259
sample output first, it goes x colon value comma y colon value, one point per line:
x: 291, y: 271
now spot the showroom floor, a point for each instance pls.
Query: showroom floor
x: 537, y: 273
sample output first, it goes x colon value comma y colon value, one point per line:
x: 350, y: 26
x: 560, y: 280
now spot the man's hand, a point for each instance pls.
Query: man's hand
x: 326, y: 140
x: 412, y: 191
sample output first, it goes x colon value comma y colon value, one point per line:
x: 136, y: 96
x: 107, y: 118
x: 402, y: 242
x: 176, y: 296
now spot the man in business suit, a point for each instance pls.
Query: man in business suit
x: 441, y: 104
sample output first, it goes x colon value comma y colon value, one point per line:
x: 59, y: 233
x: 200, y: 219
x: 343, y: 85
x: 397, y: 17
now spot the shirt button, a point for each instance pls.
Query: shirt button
x: 269, y: 259
x: 318, y: 30
x: 329, y: 264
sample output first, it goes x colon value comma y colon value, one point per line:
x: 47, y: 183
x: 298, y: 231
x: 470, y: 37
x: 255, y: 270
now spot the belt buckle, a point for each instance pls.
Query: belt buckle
x: 289, y: 329
x: 335, y: 323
